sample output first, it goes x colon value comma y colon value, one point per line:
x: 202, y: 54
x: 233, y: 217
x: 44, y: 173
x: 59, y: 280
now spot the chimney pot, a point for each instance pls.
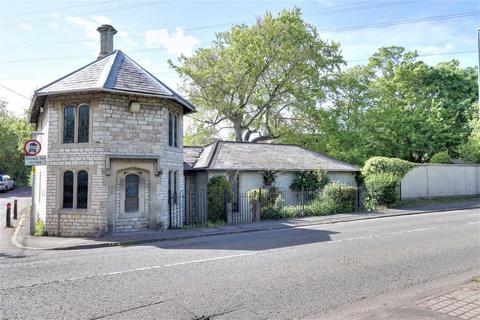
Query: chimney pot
x: 106, y: 39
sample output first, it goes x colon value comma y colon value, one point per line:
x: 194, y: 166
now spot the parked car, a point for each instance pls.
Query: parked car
x: 6, y: 183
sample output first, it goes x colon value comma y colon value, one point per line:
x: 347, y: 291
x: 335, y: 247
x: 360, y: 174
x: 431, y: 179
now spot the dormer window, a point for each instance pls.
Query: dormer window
x: 76, y: 130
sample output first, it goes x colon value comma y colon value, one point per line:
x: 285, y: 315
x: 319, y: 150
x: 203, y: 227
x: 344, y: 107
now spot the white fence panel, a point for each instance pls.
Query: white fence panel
x: 440, y: 180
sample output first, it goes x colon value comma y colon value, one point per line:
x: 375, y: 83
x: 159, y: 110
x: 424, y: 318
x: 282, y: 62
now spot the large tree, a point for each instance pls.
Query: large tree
x: 13, y: 133
x: 394, y: 106
x: 254, y: 80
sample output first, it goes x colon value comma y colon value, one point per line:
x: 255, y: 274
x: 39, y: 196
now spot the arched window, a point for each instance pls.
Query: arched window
x: 131, y: 192
x: 69, y: 124
x: 175, y: 130
x: 83, y: 123
x: 82, y: 189
x: 68, y: 189
x: 170, y: 129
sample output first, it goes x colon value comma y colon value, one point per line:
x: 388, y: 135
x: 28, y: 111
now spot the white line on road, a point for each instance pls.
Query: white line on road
x: 476, y: 222
x: 211, y: 259
x: 228, y: 257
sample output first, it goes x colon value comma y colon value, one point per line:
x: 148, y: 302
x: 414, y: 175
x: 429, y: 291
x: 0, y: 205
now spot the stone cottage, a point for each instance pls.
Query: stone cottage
x: 112, y: 134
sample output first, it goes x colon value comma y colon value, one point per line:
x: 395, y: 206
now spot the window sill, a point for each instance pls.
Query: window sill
x: 76, y: 145
x: 74, y: 211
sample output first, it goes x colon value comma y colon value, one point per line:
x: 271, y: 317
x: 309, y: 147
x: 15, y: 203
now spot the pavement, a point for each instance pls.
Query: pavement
x: 23, y: 241
x: 459, y: 302
x: 23, y: 196
x: 307, y: 272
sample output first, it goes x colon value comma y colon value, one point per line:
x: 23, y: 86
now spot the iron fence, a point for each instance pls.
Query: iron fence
x: 204, y: 209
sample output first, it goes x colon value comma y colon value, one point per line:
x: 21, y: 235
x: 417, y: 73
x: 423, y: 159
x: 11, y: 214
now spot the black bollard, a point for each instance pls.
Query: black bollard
x: 15, y: 209
x: 9, y: 223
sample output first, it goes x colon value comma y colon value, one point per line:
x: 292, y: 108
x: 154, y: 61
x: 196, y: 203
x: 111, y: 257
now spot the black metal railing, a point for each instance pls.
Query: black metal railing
x: 204, y: 209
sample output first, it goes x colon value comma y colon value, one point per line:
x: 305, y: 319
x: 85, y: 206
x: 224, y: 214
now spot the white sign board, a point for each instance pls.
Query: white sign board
x: 35, y: 160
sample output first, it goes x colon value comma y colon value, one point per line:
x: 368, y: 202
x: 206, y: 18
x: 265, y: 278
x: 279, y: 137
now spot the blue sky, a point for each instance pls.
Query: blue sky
x: 44, y: 40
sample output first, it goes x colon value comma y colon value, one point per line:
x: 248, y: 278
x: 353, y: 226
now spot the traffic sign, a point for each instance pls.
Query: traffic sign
x: 35, y: 160
x: 32, y: 147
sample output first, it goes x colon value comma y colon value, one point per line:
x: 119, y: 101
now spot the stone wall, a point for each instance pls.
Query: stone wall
x: 113, y: 131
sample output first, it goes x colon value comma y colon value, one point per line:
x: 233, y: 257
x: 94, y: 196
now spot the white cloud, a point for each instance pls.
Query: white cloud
x: 101, y: 20
x: 89, y: 26
x: 25, y: 26
x: 176, y: 43
x: 126, y: 37
x: 53, y: 25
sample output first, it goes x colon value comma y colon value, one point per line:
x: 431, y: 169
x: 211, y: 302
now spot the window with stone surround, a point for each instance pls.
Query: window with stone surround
x: 83, y: 123
x: 75, y: 189
x: 69, y: 124
x: 172, y: 129
x: 132, y: 182
x: 76, y: 123
x: 82, y: 189
x: 68, y: 189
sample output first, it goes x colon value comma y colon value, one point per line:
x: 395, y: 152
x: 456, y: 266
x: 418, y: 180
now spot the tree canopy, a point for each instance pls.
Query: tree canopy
x: 253, y: 80
x: 14, y: 133
x: 395, y: 106
x: 278, y: 80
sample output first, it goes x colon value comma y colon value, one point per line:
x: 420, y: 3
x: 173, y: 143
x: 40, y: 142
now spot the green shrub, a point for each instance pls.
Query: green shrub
x: 381, y: 189
x: 339, y: 198
x: 335, y: 198
x: 39, y: 228
x: 309, y: 180
x: 381, y: 176
x: 394, y: 166
x: 218, y: 187
x: 441, y: 157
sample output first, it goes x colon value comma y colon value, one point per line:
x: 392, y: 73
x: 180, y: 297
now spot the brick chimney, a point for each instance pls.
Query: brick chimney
x: 106, y: 39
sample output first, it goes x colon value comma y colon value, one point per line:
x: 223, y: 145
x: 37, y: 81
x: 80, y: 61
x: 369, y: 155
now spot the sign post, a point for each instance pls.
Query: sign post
x: 31, y: 150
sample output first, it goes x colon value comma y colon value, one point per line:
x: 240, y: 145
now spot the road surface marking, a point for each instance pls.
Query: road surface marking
x: 474, y: 222
x: 213, y: 259
x: 224, y: 257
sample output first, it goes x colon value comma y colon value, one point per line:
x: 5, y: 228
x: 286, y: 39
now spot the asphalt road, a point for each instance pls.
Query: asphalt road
x: 308, y: 272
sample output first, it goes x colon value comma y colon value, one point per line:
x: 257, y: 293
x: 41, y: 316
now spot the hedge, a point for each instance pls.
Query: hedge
x: 335, y: 198
x: 217, y: 188
x: 381, y: 176
x: 394, y: 166
x: 382, y: 189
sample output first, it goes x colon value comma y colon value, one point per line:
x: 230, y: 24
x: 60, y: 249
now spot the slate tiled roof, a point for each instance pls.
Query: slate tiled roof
x: 115, y: 72
x: 224, y: 155
x: 190, y: 156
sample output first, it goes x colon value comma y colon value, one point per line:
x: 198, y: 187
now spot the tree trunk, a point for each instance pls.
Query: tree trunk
x: 237, y: 127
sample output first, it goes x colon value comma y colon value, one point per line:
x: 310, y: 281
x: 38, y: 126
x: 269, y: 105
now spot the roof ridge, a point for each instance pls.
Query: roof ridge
x: 73, y: 72
x: 113, y: 70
